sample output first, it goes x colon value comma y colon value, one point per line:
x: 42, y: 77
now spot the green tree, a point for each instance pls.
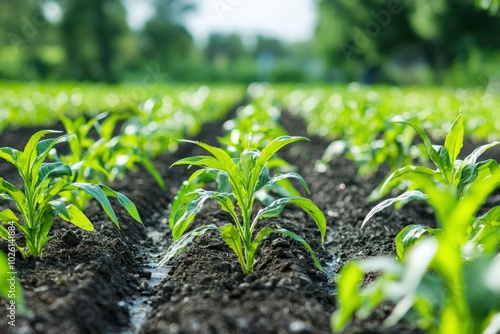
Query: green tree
x: 221, y: 46
x: 371, y: 31
x: 28, y: 41
x: 164, y: 40
x: 270, y: 45
x: 92, y: 31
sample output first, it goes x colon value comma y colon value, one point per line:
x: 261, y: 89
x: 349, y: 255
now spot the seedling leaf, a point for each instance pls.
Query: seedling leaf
x: 8, y: 215
x: 404, y: 173
x: 78, y: 218
x: 408, y: 236
x: 455, y: 138
x: 179, y: 245
x: 96, y: 192
x: 412, y: 194
x: 305, y: 204
x: 231, y: 236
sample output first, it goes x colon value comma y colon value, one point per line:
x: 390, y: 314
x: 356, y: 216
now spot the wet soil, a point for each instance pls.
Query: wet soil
x: 106, y: 281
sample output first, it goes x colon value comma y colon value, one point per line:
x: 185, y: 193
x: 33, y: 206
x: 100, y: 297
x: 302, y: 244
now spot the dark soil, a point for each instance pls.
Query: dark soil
x: 98, y: 282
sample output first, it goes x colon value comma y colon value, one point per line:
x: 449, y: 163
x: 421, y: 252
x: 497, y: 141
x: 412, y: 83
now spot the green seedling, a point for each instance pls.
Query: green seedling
x: 369, y: 152
x: 439, y: 285
x: 253, y: 128
x: 103, y: 160
x: 241, y: 179
x: 40, y: 200
x: 451, y: 172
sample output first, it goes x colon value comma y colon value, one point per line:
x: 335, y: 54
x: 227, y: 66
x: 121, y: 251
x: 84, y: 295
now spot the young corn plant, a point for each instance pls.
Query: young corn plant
x: 241, y: 180
x: 40, y: 200
x: 203, y: 177
x: 102, y: 160
x: 255, y: 126
x: 244, y: 133
x: 121, y: 153
x: 369, y: 152
x: 439, y: 285
x: 451, y: 172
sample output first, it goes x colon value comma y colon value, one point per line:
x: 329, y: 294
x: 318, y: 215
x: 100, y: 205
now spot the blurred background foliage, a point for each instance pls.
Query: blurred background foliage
x: 453, y: 42
x: 405, y: 41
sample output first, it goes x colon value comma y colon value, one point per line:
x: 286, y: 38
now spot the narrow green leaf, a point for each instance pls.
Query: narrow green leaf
x: 78, y: 218
x: 9, y: 154
x: 4, y: 233
x: 285, y: 188
x: 264, y: 178
x: 491, y: 217
x: 247, y: 163
x: 42, y: 151
x: 15, y: 194
x: 197, y: 180
x: 471, y: 158
x: 232, y: 238
x: 303, y: 242
x: 276, y: 145
x: 407, y: 173
x: 179, y: 245
x: 433, y: 154
x: 69, y: 124
x: 469, y: 174
x: 222, y: 179
x: 485, y: 224
x: 8, y: 216
x: 224, y: 158
x: 124, y: 201
x: 348, y: 295
x: 252, y: 250
x: 485, y: 169
x: 455, y: 138
x: 189, y: 211
x: 60, y: 208
x: 203, y: 161
x: 28, y: 156
x: 44, y: 146
x: 150, y: 167
x: 45, y: 226
x: 226, y: 163
x: 96, y: 192
x: 409, y: 195
x: 445, y: 158
x: 408, y: 236
x: 260, y: 236
x: 53, y: 169
x: 290, y: 175
x: 54, y: 188
x: 273, y: 209
x: 305, y: 204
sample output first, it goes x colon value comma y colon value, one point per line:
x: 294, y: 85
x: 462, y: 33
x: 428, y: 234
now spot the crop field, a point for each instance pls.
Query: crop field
x: 249, y: 209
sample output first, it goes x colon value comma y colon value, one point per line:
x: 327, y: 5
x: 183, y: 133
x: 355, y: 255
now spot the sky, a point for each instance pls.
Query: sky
x: 289, y: 20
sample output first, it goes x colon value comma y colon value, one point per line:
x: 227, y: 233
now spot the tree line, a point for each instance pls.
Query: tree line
x: 395, y: 41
